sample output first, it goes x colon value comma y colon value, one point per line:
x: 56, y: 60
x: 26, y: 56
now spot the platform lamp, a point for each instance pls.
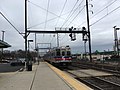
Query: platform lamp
x: 116, y: 40
x: 3, y: 33
x: 29, y: 61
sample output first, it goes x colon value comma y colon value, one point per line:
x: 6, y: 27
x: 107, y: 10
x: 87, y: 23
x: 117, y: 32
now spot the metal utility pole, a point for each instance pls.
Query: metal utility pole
x: 116, y: 40
x: 88, y: 26
x: 26, y: 34
x: 115, y: 37
x: 3, y: 32
x: 85, y: 49
x: 57, y: 40
x: 35, y: 40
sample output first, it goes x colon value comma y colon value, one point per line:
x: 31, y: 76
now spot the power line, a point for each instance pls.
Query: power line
x: 65, y: 41
x: 47, y: 14
x: 46, y: 10
x: 52, y: 38
x: 105, y: 16
x: 11, y: 24
x: 100, y: 11
x: 30, y: 16
x: 71, y: 13
x: 61, y: 12
x: 47, y: 21
x: 71, y: 16
x: 104, y: 8
x: 75, y: 16
x: 31, y: 46
x: 43, y: 8
x: 42, y: 23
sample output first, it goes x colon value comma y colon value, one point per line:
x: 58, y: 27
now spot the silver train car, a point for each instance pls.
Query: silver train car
x: 59, y: 56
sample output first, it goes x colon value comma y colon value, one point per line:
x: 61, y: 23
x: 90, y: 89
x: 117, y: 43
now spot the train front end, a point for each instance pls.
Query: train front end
x: 63, y: 56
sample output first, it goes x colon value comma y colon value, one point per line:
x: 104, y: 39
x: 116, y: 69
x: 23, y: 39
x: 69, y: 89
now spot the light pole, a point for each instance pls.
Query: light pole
x: 29, y: 61
x: 57, y: 40
x: 35, y: 40
x: 116, y: 40
x: 3, y: 32
x: 29, y: 44
x: 3, y: 35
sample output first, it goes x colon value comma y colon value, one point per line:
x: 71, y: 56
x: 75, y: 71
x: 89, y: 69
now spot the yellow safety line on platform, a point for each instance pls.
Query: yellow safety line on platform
x: 70, y: 80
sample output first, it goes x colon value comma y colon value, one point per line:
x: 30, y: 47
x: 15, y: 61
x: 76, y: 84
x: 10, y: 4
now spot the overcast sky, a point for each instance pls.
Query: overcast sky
x: 48, y: 14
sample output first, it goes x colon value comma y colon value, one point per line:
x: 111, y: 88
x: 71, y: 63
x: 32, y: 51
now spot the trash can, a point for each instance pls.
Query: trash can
x: 29, y: 67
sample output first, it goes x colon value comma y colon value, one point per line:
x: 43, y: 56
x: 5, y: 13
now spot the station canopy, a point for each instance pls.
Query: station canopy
x: 4, y: 44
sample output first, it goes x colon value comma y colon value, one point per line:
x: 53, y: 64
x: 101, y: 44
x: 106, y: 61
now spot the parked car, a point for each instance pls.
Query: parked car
x: 4, y: 61
x: 17, y: 63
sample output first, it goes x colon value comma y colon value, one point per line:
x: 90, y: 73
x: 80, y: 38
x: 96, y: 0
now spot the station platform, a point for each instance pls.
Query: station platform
x: 43, y: 77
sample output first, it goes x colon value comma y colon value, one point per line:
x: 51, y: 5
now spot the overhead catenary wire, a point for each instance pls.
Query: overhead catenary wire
x: 42, y: 23
x: 31, y: 46
x: 46, y: 21
x: 76, y: 16
x: 108, y: 12
x: 46, y: 15
x: 100, y: 11
x: 11, y: 23
x: 61, y: 12
x: 42, y: 8
x: 104, y: 8
x: 71, y: 16
x: 30, y: 16
x: 71, y: 13
x: 105, y: 15
x: 48, y: 12
x: 73, y: 20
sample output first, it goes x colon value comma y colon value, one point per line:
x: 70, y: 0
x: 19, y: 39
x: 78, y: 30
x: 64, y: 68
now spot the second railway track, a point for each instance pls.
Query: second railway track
x: 97, y: 82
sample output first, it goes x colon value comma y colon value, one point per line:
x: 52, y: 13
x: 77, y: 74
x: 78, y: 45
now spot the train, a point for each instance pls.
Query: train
x: 59, y: 56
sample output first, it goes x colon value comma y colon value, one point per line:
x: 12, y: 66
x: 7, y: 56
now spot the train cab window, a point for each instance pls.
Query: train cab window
x: 68, y: 53
x: 57, y: 52
x: 63, y: 53
x: 52, y: 54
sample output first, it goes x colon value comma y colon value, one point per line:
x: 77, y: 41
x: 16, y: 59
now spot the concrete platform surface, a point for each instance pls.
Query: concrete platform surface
x: 46, y: 79
x: 42, y: 77
x: 89, y: 73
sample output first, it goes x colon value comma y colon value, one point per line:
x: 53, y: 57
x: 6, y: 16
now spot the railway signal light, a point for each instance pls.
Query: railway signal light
x: 70, y: 29
x: 72, y: 35
x: 84, y: 35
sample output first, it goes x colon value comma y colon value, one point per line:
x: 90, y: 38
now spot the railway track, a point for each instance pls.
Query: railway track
x: 103, y: 82
x: 109, y: 82
x: 113, y: 78
x: 116, y: 72
x: 97, y: 83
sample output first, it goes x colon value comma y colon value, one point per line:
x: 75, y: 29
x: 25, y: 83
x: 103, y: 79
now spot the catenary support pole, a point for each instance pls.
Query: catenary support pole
x: 26, y: 33
x: 88, y: 26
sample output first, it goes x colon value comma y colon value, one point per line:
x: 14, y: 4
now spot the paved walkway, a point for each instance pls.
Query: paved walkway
x: 17, y: 80
x: 46, y: 79
x: 40, y: 78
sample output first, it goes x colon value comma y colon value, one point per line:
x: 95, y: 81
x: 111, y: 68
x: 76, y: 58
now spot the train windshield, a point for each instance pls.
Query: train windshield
x: 63, y: 53
x: 57, y: 52
x: 68, y: 53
